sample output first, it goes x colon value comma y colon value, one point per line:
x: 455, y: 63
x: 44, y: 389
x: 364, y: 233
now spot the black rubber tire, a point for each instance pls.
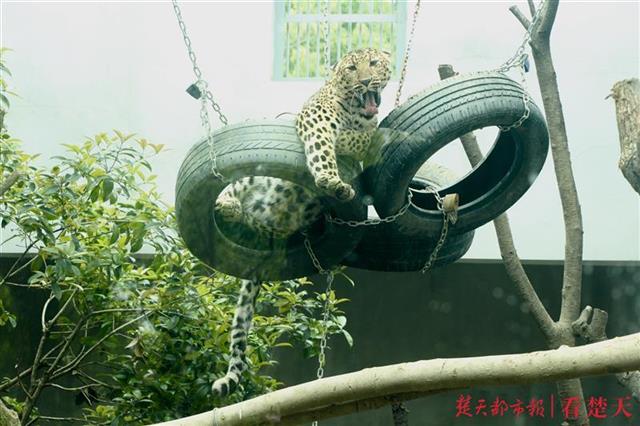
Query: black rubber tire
x: 415, y: 130
x: 384, y: 248
x: 259, y: 148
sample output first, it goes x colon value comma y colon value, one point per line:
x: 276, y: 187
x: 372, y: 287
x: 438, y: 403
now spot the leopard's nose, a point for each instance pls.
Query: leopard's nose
x: 365, y: 82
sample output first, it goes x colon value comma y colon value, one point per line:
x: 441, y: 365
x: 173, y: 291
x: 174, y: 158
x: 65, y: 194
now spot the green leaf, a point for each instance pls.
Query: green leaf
x: 115, y: 233
x: 37, y: 264
x: 107, y: 187
x: 4, y: 69
x: 157, y: 148
x: 56, y: 290
x: 4, y: 100
x: 348, y: 337
x: 95, y: 193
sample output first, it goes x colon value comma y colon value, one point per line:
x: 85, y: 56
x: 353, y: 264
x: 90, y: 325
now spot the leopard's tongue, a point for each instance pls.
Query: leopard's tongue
x: 370, y: 105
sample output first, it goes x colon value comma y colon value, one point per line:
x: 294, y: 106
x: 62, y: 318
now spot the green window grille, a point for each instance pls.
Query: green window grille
x: 299, y: 42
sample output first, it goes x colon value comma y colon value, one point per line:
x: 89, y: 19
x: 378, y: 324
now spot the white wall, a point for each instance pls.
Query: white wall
x: 82, y: 68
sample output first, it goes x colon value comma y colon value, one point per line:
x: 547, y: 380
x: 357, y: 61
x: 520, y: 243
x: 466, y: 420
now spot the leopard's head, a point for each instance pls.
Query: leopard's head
x: 360, y: 76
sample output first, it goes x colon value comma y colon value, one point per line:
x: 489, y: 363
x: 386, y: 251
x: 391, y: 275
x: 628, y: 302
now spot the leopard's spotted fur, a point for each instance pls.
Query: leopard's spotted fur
x: 339, y: 119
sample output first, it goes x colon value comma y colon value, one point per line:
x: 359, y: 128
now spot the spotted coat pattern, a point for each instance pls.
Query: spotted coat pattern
x: 339, y: 119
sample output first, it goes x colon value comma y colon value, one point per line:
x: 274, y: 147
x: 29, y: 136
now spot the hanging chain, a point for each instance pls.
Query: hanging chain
x: 325, y: 319
x: 372, y: 221
x: 406, y: 53
x: 322, y: 360
x: 327, y: 41
x: 525, y: 100
x: 447, y: 217
x: 197, y: 90
x: 520, y: 57
x: 520, y: 60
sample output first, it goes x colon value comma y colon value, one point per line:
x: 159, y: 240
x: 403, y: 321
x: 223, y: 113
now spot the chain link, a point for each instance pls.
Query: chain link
x: 372, y: 221
x: 406, y: 53
x: 519, y: 60
x: 525, y: 100
x: 446, y: 218
x: 325, y: 314
x: 202, y: 88
x: 325, y: 319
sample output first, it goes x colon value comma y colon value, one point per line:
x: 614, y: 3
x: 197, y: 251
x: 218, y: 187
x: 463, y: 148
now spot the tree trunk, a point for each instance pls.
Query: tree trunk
x: 626, y: 94
x: 8, y: 417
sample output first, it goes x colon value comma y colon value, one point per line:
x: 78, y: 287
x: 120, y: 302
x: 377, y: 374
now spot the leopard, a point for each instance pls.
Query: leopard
x: 339, y: 119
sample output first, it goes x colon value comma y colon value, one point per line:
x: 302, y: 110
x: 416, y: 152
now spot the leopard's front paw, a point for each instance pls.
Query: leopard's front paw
x: 230, y: 209
x: 344, y: 192
x: 334, y: 186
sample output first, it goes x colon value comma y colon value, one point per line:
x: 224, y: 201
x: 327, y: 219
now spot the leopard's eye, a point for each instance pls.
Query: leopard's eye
x: 351, y: 67
x: 373, y: 63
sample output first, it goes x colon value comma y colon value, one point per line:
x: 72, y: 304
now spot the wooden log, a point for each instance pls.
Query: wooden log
x: 626, y: 95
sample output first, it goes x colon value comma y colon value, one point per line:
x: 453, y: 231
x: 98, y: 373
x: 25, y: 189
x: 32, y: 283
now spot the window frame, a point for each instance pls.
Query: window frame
x: 280, y: 33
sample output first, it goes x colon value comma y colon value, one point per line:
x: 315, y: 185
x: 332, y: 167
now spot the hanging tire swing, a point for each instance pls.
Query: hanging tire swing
x: 425, y: 123
x: 260, y: 148
x: 384, y: 248
x: 407, y: 138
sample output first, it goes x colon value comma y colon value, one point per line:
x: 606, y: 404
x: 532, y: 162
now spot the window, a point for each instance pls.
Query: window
x: 299, y: 42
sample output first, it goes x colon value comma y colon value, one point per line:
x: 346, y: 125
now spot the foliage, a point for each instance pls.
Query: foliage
x: 133, y: 321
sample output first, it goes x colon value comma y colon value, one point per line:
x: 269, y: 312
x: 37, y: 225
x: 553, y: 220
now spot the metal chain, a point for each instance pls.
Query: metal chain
x: 525, y: 100
x: 201, y: 87
x: 446, y: 219
x: 406, y: 53
x: 372, y: 221
x: 322, y: 360
x: 519, y: 57
x: 325, y: 319
x: 519, y: 60
x: 327, y: 40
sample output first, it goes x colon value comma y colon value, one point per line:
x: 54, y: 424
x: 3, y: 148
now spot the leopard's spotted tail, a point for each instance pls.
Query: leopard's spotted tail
x: 238, y: 336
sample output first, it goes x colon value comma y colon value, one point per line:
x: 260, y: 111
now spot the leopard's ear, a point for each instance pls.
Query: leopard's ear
x: 386, y: 54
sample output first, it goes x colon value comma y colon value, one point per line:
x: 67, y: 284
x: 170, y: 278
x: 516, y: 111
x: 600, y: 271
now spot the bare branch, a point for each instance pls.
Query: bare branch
x: 512, y: 262
x: 335, y: 395
x: 520, y: 16
x: 77, y: 360
x: 572, y: 279
x: 73, y: 388
x: 591, y: 326
x: 9, y: 181
x: 43, y: 339
x: 60, y: 419
x: 517, y: 274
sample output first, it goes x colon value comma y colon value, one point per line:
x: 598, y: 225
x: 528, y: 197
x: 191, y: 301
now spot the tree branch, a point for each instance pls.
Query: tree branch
x: 78, y: 359
x: 626, y: 95
x: 357, y: 391
x: 8, y: 182
x: 520, y: 16
x: 572, y: 276
x: 572, y: 279
x: 591, y: 326
x: 512, y: 262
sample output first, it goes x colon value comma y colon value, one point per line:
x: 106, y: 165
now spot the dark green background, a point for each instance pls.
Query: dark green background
x: 465, y: 309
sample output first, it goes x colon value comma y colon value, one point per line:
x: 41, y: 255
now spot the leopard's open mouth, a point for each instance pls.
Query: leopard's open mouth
x: 369, y: 102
